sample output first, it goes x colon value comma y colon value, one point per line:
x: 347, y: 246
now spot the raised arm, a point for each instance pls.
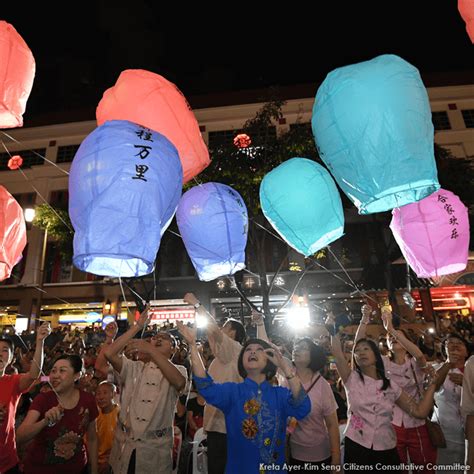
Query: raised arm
x: 189, y: 335
x: 112, y: 352
x: 212, y: 327
x: 101, y: 364
x: 170, y: 371
x: 258, y: 320
x: 286, y: 368
x: 37, y: 363
x: 341, y: 363
x: 422, y: 408
x: 400, y: 337
x: 364, y: 320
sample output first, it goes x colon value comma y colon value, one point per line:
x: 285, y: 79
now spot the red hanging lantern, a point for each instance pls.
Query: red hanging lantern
x: 242, y: 140
x: 15, y: 162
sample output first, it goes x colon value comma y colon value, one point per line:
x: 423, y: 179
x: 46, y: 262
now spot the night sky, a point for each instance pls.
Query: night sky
x: 81, y: 48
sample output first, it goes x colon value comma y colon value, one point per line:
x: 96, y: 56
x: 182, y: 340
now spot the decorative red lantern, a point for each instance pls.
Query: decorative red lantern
x: 15, y: 162
x: 242, y: 140
x: 17, y: 72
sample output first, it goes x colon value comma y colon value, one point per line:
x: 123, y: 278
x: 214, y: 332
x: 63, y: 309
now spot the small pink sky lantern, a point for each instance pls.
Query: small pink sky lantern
x: 466, y: 9
x: 433, y: 234
x: 17, y: 72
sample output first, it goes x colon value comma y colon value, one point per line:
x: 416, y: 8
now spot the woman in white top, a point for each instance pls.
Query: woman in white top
x: 448, y: 403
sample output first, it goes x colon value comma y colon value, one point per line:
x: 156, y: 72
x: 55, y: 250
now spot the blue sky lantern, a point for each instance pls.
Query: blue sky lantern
x: 372, y: 126
x: 125, y: 183
x: 301, y: 201
x: 213, y: 223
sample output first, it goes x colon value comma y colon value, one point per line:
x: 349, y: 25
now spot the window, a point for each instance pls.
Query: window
x: 441, y: 120
x: 66, y: 153
x: 301, y: 126
x: 59, y: 199
x: 30, y: 158
x: 468, y: 116
x: 221, y: 138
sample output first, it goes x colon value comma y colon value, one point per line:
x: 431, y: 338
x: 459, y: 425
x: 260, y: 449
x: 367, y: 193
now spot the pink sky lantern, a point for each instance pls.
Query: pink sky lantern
x: 17, y: 72
x: 12, y: 233
x: 466, y: 9
x: 148, y: 99
x: 433, y: 234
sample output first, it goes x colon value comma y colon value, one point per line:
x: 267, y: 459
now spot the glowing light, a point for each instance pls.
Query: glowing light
x: 201, y: 321
x: 298, y: 317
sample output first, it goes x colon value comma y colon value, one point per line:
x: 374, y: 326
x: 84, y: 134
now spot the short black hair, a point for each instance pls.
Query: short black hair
x: 455, y: 335
x: 74, y: 360
x: 269, y: 370
x: 238, y: 327
x: 8, y: 341
x: 317, y: 354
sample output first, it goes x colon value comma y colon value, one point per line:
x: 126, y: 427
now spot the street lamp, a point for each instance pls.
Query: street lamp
x: 29, y: 217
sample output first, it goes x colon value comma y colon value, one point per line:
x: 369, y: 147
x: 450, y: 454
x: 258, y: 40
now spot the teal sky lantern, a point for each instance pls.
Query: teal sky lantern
x: 124, y: 185
x: 301, y: 201
x: 372, y: 126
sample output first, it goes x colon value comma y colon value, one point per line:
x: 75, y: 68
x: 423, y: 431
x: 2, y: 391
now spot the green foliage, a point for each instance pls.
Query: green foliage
x: 58, y: 225
x: 244, y: 168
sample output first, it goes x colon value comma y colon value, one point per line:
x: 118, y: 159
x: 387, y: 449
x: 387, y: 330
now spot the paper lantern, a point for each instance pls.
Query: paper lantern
x: 213, y: 223
x: 150, y: 100
x: 124, y: 184
x: 372, y: 126
x: 12, y: 233
x: 300, y: 200
x: 466, y: 9
x: 433, y: 234
x: 17, y: 71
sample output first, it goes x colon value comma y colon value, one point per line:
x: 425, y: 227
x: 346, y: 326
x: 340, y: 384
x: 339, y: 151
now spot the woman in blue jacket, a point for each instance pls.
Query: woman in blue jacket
x: 256, y: 412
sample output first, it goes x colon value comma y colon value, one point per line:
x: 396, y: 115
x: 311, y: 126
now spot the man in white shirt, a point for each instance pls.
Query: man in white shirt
x: 467, y: 410
x: 226, y: 344
x: 150, y: 387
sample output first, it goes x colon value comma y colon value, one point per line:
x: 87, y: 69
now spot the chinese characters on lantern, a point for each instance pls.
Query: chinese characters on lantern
x: 451, y: 213
x: 143, y: 152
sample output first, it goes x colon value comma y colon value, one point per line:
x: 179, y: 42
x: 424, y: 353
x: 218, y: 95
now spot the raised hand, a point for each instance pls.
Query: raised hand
x: 387, y: 318
x: 276, y: 357
x: 188, y: 333
x: 111, y: 330
x: 366, y: 312
x: 43, y: 332
x: 144, y: 318
x: 139, y: 345
x: 190, y: 298
x: 257, y: 318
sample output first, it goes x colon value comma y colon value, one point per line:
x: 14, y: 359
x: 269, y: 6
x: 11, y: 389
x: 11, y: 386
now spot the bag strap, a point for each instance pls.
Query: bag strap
x: 313, y: 384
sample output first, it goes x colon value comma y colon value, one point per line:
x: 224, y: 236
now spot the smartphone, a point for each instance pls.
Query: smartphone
x: 44, y: 378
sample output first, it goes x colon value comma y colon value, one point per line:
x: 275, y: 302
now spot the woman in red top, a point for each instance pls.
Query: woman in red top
x: 57, y: 422
x: 11, y: 388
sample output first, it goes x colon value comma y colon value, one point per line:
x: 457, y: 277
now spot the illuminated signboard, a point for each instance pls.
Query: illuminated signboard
x: 172, y: 314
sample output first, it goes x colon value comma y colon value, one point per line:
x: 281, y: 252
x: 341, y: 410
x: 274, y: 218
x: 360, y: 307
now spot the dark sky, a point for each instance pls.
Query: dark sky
x: 80, y: 51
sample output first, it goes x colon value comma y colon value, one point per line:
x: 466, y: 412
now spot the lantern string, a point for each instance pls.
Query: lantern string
x: 32, y: 151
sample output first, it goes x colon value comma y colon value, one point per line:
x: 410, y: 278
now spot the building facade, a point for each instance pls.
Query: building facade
x: 43, y: 279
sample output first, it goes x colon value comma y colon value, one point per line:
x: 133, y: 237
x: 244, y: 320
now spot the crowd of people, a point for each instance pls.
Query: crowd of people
x: 92, y: 401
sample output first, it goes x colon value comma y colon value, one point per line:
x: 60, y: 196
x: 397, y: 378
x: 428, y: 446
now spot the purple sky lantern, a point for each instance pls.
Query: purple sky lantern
x: 433, y: 234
